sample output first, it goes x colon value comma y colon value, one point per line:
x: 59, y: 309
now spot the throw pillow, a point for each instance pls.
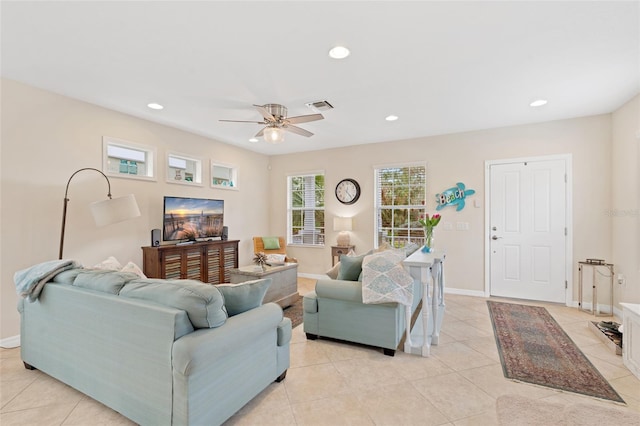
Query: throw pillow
x: 134, y: 269
x: 350, y: 267
x: 271, y: 243
x: 239, y: 298
x: 110, y: 264
x: 334, y: 271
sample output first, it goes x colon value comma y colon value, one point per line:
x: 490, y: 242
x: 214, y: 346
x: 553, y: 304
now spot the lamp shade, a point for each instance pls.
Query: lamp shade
x: 342, y: 224
x: 273, y: 135
x: 114, y: 210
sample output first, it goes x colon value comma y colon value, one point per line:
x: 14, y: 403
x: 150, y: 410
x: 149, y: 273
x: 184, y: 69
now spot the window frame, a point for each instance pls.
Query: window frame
x: 197, y: 176
x: 413, y: 210
x: 150, y: 156
x: 233, y: 178
x: 319, y: 231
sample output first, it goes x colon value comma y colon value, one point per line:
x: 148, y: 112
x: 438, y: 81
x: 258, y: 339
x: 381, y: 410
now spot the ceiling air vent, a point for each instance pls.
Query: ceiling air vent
x: 319, y: 106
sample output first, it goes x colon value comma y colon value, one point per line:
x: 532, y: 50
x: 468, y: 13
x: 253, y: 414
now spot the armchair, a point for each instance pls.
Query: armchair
x: 258, y: 246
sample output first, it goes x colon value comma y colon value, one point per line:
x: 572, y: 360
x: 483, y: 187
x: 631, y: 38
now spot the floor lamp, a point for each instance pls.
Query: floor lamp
x: 105, y: 212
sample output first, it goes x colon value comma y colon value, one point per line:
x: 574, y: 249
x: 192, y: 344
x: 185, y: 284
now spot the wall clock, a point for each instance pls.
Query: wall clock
x: 347, y: 191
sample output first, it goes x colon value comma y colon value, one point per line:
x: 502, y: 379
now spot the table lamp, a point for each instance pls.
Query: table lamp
x: 343, y: 224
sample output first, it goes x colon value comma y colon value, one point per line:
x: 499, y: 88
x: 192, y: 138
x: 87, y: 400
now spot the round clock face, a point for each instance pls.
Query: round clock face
x: 347, y: 191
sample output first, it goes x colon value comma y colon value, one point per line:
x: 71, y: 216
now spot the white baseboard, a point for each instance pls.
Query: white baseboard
x: 313, y: 276
x: 10, y: 342
x: 464, y: 292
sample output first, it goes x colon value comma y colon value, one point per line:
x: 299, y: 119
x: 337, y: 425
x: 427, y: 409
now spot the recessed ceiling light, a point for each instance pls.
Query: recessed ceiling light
x: 538, y: 102
x: 253, y: 140
x: 339, y: 52
x: 391, y: 118
x: 154, y: 105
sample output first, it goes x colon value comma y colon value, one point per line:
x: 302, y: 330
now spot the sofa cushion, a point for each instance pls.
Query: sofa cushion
x: 106, y: 281
x: 203, y: 303
x: 239, y: 298
x: 350, y: 267
x: 271, y: 243
x: 68, y: 276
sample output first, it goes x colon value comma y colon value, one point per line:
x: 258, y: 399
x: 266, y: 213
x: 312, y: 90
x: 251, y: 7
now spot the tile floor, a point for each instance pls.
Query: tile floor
x: 332, y: 383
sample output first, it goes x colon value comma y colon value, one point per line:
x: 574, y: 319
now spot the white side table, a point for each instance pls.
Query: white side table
x: 427, y: 267
x: 631, y: 337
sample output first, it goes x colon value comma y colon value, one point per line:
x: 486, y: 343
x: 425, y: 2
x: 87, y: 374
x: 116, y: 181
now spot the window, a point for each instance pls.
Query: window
x: 400, y: 200
x: 126, y: 159
x: 184, y: 169
x: 224, y: 176
x: 306, y: 209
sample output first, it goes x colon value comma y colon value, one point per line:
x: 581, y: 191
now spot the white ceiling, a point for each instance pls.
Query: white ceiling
x: 442, y: 67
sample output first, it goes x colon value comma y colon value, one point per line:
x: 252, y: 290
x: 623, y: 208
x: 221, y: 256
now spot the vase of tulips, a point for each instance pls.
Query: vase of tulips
x: 428, y: 223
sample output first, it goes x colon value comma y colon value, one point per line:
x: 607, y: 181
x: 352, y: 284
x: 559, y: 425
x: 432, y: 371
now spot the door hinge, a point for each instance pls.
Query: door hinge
x: 565, y: 231
x: 566, y: 285
x: 565, y: 178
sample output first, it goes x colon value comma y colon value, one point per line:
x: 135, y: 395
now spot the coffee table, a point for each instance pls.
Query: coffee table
x: 284, y: 281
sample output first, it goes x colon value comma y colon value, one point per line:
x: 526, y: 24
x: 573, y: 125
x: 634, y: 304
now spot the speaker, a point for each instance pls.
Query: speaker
x: 155, y: 237
x: 225, y: 233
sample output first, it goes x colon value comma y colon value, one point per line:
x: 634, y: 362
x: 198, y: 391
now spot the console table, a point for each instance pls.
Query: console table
x: 427, y: 267
x: 631, y: 337
x: 337, y: 251
x: 207, y: 261
x: 284, y: 281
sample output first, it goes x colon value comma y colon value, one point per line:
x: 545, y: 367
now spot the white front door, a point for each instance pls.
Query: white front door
x: 528, y: 230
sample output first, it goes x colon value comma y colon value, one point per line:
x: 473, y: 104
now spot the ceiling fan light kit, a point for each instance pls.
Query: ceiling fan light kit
x: 273, y: 135
x: 276, y: 122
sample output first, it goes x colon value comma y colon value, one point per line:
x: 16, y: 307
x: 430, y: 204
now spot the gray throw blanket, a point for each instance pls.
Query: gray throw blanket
x: 29, y: 282
x: 385, y: 280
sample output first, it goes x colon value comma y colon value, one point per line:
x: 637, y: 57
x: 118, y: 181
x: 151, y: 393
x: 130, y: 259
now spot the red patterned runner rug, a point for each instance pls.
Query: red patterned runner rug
x: 535, y: 349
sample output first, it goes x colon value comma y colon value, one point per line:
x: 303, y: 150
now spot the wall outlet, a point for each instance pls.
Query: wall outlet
x: 462, y: 226
x: 448, y: 226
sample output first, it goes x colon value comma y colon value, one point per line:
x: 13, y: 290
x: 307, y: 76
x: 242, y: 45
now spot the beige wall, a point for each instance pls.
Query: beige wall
x: 461, y: 158
x: 46, y: 137
x: 624, y: 209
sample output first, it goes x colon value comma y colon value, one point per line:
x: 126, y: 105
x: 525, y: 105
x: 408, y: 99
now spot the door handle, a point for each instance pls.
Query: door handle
x: 495, y: 237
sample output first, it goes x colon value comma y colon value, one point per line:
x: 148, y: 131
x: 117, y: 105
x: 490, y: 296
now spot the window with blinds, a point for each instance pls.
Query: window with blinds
x: 400, y: 200
x: 126, y: 159
x: 306, y: 209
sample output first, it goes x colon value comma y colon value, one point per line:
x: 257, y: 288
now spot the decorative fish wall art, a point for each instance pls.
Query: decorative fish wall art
x: 453, y: 197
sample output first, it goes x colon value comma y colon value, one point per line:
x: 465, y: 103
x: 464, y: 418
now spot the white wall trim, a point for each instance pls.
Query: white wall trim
x: 313, y: 276
x: 568, y: 219
x: 464, y: 292
x: 10, y: 342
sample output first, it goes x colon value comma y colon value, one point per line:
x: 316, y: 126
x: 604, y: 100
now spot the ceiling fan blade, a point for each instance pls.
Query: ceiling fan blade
x: 266, y: 114
x: 260, y: 133
x: 298, y: 130
x: 243, y: 121
x: 304, y: 118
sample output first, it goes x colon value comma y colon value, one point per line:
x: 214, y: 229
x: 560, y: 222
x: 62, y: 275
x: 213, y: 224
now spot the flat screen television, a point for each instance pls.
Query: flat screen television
x: 192, y: 218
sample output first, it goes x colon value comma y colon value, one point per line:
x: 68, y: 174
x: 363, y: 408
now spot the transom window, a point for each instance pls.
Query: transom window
x: 400, y: 200
x: 184, y: 169
x: 126, y: 159
x: 306, y: 209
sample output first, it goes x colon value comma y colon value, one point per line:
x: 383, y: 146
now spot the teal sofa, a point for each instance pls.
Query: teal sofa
x: 159, y: 352
x: 335, y: 310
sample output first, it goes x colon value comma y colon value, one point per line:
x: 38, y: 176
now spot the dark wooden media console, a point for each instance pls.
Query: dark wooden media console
x: 207, y: 261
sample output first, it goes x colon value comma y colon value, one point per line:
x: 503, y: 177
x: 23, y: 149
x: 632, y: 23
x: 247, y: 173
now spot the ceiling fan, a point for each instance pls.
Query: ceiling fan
x: 276, y: 120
